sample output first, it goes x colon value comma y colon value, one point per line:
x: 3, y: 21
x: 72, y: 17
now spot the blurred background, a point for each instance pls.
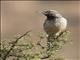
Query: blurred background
x: 21, y: 16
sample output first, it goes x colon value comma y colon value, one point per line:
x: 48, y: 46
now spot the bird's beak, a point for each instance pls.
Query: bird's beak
x: 44, y: 13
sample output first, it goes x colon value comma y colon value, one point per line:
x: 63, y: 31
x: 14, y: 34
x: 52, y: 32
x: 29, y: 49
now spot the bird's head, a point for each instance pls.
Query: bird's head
x: 51, y: 14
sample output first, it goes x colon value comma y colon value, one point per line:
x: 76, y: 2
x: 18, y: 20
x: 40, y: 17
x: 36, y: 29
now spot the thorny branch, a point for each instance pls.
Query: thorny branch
x: 50, y: 42
x: 4, y: 58
x: 51, y: 45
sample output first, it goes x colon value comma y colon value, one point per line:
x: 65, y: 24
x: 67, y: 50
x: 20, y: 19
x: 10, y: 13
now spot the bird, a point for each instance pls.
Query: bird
x: 54, y: 23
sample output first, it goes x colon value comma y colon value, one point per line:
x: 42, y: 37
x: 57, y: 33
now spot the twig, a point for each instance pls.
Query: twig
x: 48, y: 55
x: 4, y: 58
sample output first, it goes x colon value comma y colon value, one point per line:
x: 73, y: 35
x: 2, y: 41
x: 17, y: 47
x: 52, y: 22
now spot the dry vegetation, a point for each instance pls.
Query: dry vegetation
x: 23, y: 49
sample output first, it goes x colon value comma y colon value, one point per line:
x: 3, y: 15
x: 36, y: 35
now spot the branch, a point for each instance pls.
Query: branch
x: 48, y: 55
x: 53, y: 46
x: 4, y: 58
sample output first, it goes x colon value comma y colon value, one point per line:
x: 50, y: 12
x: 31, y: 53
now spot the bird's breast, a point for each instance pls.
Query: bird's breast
x: 50, y: 27
x: 53, y: 26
